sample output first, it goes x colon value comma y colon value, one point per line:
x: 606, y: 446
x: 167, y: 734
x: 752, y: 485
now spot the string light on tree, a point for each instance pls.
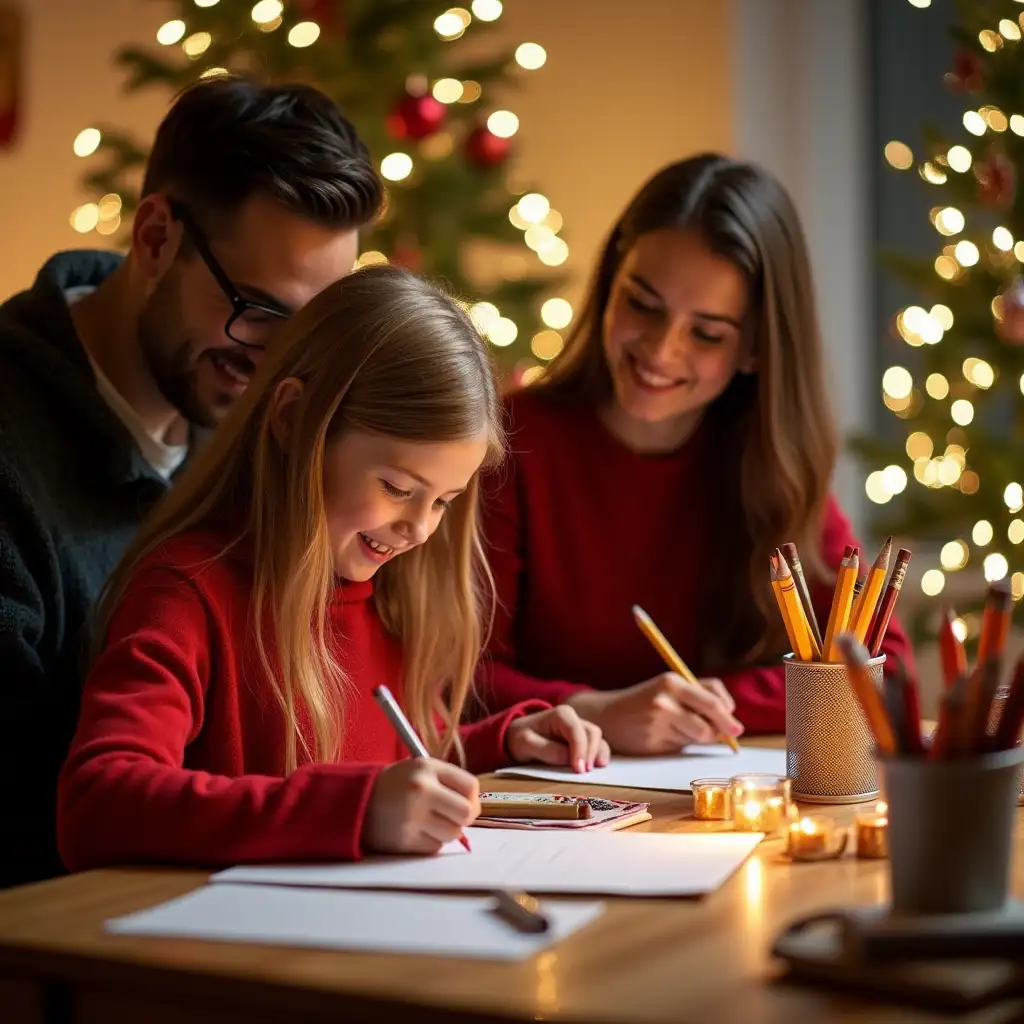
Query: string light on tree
x: 974, y: 122
x: 267, y: 11
x: 396, y: 166
x: 954, y: 555
x: 170, y: 32
x: 85, y: 218
x: 995, y: 567
x: 452, y: 24
x: 87, y: 141
x: 933, y: 581
x: 531, y: 56
x: 304, y: 34
x: 197, y: 43
x: 556, y: 313
x: 487, y: 10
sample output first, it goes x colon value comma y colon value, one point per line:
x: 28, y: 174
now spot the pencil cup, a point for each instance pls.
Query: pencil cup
x: 994, y: 715
x: 830, y: 753
x: 951, y: 829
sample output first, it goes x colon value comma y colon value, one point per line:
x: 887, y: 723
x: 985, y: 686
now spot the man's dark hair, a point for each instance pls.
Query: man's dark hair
x: 229, y: 137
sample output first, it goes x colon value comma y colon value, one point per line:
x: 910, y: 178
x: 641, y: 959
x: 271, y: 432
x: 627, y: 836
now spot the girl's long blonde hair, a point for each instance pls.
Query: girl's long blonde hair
x: 774, y: 433
x: 384, y: 352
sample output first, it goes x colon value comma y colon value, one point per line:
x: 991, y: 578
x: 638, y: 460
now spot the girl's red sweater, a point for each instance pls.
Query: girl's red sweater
x: 179, y: 752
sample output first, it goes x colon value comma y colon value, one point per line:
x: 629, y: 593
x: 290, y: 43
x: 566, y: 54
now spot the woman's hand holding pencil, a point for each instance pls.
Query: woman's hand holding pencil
x: 661, y: 715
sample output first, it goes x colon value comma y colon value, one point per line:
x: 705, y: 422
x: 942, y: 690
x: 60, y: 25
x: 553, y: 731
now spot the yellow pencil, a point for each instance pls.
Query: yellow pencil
x: 806, y: 647
x: 783, y: 610
x: 669, y: 656
x: 864, y: 608
x: 842, y: 602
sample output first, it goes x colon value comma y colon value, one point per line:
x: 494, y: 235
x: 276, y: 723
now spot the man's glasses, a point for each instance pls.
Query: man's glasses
x: 250, y: 323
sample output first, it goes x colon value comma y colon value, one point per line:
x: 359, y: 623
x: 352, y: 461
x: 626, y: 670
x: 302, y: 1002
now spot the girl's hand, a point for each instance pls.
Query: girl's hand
x: 661, y: 715
x: 557, y: 736
x: 418, y: 805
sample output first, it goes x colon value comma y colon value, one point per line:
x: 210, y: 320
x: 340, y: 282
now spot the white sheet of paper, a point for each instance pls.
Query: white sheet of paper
x: 371, y: 921
x: 614, y: 863
x: 673, y: 774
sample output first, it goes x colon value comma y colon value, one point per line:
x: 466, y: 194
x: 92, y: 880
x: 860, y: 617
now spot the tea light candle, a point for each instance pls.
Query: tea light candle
x: 814, y: 838
x: 711, y: 799
x: 872, y: 832
x: 759, y: 803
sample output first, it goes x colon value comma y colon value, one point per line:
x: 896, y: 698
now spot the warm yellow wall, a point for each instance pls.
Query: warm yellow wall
x: 627, y: 87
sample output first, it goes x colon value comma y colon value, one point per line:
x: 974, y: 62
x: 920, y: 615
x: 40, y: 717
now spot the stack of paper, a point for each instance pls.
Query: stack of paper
x: 375, y: 922
x: 287, y: 905
x: 672, y: 774
x: 596, y: 863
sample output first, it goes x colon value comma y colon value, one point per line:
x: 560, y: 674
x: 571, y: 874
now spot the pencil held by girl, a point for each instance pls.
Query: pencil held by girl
x: 324, y: 543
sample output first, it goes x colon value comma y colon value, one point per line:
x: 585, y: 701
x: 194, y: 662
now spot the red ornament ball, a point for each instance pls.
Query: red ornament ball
x: 406, y: 253
x: 326, y: 13
x: 1010, y: 325
x: 485, y: 149
x: 997, y: 180
x: 416, y: 117
x: 966, y: 74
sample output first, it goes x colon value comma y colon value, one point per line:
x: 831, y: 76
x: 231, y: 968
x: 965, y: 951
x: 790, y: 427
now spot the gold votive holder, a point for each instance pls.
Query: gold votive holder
x: 815, y: 837
x: 760, y: 803
x: 872, y: 832
x: 711, y: 799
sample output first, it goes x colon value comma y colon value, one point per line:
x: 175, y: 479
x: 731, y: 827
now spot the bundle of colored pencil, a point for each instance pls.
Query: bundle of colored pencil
x: 972, y: 721
x: 861, y: 607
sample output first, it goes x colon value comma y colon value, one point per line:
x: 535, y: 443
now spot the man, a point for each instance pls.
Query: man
x: 252, y: 198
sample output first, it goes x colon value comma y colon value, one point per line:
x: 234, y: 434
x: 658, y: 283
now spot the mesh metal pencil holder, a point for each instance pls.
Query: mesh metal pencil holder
x: 829, y: 747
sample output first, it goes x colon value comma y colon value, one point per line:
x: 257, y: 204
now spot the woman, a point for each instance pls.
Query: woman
x: 680, y: 437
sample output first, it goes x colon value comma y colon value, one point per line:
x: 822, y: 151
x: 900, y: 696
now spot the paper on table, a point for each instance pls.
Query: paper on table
x: 371, y: 921
x: 645, y: 864
x: 673, y: 774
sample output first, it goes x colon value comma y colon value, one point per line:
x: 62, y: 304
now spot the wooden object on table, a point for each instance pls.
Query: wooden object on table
x: 645, y: 961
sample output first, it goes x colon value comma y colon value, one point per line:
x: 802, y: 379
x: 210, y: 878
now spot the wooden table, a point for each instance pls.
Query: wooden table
x: 679, y: 961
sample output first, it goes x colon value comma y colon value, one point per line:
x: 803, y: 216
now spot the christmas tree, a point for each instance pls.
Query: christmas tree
x: 953, y: 479
x: 422, y: 83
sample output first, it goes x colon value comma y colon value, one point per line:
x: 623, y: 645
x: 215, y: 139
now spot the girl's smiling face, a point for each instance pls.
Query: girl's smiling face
x: 384, y: 495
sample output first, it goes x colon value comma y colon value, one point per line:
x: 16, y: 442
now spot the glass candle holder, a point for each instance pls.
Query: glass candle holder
x: 815, y: 837
x: 760, y: 803
x: 711, y: 799
x: 872, y: 832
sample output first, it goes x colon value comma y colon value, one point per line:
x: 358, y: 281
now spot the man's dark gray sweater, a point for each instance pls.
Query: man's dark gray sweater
x: 73, y: 490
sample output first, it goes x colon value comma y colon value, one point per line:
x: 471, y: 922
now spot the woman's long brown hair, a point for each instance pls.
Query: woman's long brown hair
x: 774, y: 436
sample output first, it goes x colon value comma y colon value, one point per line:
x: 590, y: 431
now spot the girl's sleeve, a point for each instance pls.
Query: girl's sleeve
x: 760, y: 693
x: 125, y: 795
x: 484, y: 741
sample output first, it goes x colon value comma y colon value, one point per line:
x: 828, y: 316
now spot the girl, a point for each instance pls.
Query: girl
x: 325, y: 542
x: 681, y: 435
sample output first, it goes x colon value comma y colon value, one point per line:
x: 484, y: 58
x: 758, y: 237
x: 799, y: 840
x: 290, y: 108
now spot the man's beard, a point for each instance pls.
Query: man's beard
x: 174, y: 365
